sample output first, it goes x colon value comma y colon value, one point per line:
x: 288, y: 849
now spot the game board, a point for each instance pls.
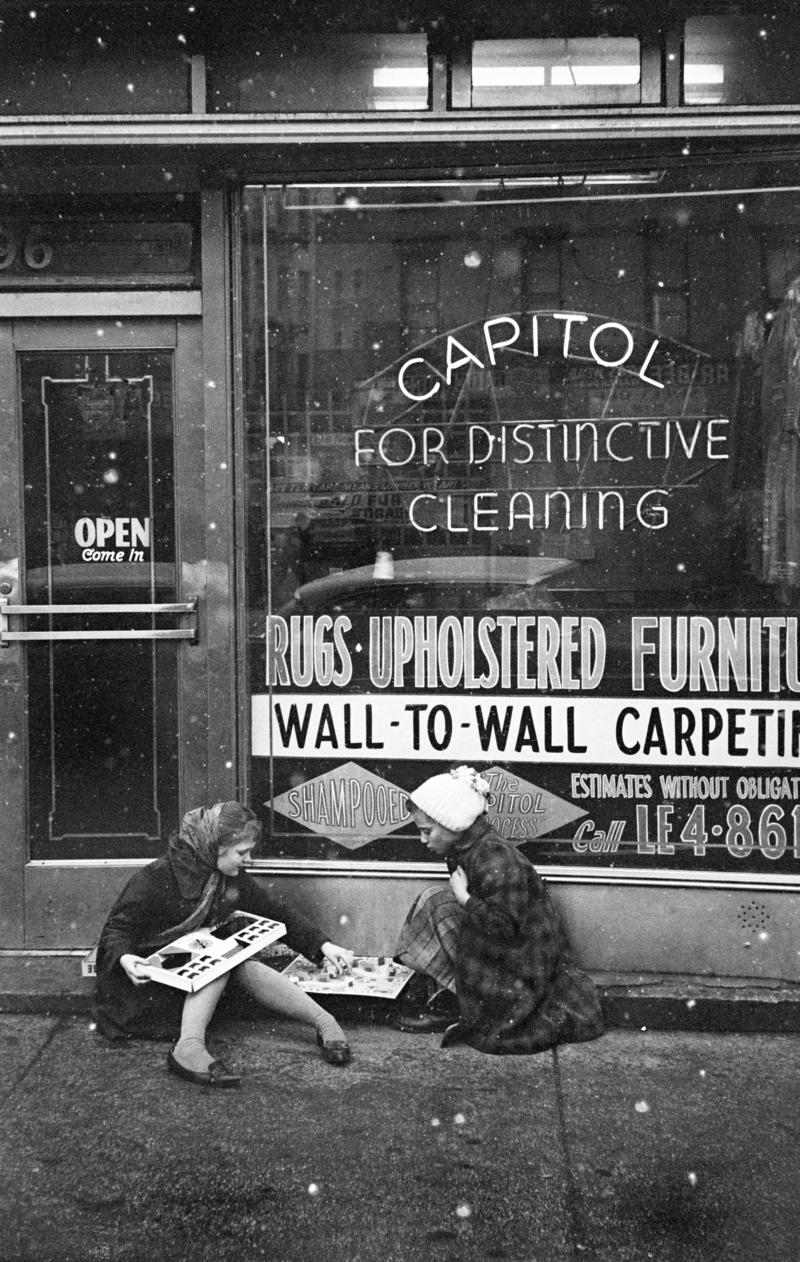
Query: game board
x: 376, y: 976
x: 194, y: 960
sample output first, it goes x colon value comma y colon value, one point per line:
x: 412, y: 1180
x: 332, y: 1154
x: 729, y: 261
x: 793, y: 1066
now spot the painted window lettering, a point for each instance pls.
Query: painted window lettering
x: 458, y: 355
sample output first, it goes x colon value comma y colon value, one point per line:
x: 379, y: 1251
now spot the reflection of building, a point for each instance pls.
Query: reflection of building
x: 220, y: 241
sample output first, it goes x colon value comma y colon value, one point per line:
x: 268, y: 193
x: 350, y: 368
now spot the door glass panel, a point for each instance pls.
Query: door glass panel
x: 99, y: 530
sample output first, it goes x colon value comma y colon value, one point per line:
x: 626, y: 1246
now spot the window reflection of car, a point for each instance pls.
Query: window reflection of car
x: 107, y: 581
x: 441, y: 584
x: 465, y: 584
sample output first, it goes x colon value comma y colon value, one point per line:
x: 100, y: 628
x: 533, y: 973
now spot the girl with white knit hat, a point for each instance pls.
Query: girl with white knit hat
x: 489, y: 948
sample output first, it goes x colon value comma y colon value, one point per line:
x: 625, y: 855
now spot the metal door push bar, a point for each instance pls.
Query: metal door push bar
x: 185, y: 610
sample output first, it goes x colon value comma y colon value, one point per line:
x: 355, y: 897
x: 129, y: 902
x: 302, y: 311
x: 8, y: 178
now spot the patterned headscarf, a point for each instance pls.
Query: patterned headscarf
x: 192, y: 855
x: 193, y: 851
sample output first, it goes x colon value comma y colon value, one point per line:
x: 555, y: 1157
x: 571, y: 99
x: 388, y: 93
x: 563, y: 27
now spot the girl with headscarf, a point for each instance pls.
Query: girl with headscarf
x: 489, y: 948
x: 201, y: 881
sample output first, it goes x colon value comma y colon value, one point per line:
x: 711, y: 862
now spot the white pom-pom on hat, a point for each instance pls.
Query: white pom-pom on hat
x: 453, y: 799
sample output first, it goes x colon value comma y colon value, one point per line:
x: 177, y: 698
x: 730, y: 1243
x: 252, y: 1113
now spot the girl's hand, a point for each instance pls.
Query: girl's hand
x: 339, y: 957
x: 130, y: 965
x: 458, y: 884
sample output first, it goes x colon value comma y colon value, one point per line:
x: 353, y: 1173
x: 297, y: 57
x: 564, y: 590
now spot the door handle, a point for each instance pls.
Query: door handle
x: 186, y: 610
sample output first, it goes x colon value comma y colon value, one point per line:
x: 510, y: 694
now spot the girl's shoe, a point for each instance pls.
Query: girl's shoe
x: 437, y: 1014
x: 336, y: 1052
x: 217, y: 1074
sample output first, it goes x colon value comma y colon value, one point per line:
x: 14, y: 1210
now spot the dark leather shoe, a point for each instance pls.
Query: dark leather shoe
x: 336, y: 1052
x: 217, y: 1074
x: 423, y: 1021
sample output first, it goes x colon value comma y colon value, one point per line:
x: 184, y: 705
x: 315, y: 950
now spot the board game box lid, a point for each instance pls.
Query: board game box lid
x: 197, y: 958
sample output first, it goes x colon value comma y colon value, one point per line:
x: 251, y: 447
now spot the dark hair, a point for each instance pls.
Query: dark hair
x: 236, y: 821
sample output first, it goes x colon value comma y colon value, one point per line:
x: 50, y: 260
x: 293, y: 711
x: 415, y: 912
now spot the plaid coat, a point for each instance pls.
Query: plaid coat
x: 517, y: 987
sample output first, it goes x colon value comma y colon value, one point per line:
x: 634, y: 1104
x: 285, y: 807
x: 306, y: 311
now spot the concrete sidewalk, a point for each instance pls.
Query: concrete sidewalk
x: 669, y: 1001
x: 662, y: 1145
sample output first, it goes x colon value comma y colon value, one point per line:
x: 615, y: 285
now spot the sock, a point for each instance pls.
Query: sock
x: 190, y: 1051
x: 273, y: 991
x: 193, y: 1054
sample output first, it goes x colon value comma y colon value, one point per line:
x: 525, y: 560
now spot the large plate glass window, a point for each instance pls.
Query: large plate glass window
x: 523, y: 462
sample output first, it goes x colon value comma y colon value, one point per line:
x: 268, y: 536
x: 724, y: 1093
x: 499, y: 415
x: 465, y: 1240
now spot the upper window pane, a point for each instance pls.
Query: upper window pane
x: 94, y: 59
x: 741, y: 60
x: 515, y: 72
x: 338, y: 72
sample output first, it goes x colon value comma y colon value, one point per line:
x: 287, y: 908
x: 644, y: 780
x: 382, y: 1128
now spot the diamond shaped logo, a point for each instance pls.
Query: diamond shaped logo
x: 522, y: 811
x: 349, y: 805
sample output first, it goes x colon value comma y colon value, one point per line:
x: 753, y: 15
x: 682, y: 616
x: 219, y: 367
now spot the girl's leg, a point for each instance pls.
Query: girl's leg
x: 427, y: 944
x: 273, y: 991
x: 428, y: 939
x: 190, y: 1050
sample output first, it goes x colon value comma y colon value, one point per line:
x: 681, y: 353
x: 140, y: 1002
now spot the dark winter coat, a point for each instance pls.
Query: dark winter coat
x: 151, y: 903
x: 517, y: 987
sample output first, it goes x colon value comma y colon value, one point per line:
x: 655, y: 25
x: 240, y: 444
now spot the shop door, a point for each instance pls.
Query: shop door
x: 96, y: 615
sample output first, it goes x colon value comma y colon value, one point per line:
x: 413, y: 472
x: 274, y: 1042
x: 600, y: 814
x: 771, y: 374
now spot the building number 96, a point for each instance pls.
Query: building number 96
x: 35, y: 253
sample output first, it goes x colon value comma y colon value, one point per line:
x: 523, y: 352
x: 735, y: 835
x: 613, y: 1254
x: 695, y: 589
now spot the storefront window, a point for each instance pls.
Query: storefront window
x: 741, y: 59
x: 274, y: 73
x: 522, y: 471
x: 589, y: 71
x: 95, y: 59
